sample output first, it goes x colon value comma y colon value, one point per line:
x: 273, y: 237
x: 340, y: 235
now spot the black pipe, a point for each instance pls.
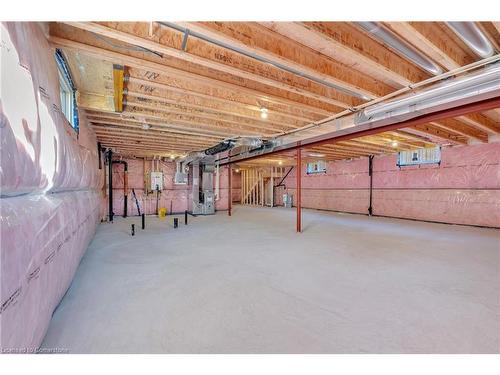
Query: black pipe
x: 283, y: 179
x: 99, y: 154
x: 110, y: 185
x: 185, y: 217
x: 157, y: 200
x: 133, y: 229
x: 143, y: 221
x: 176, y: 222
x: 220, y: 147
x: 136, y: 203
x: 370, y: 173
x: 125, y: 188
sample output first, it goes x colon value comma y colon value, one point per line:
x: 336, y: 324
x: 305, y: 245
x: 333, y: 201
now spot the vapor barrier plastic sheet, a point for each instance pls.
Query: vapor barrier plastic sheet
x: 49, y: 181
x: 463, y: 189
x: 39, y: 150
x: 43, y: 239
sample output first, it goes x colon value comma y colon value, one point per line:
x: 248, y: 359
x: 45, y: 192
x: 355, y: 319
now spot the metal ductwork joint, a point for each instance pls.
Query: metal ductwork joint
x: 451, y: 93
x: 471, y: 35
x: 202, y: 167
x: 392, y: 40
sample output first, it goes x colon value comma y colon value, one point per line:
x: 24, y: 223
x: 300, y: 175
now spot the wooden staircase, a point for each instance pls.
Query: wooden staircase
x: 257, y: 185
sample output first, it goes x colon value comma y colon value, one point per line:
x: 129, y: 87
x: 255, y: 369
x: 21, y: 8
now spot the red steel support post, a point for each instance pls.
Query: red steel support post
x: 230, y: 189
x: 298, y: 203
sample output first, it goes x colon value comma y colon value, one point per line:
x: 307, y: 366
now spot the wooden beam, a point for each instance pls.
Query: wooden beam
x: 153, y: 130
x: 231, y: 128
x: 208, y: 105
x: 180, y: 107
x: 118, y: 87
x: 147, y: 134
x: 481, y: 122
x: 208, y: 63
x: 263, y: 41
x: 350, y: 46
x: 458, y: 127
x: 144, y: 144
x: 362, y: 130
x: 433, y: 46
x: 156, y: 72
x: 180, y: 128
x: 439, y: 133
x: 165, y: 84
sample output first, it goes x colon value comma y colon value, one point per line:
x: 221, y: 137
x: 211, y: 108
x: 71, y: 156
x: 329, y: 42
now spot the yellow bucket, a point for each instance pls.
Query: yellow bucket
x: 162, y: 212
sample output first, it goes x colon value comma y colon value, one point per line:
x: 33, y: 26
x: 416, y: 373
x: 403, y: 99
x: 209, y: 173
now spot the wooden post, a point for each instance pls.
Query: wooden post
x: 230, y: 189
x: 298, y: 195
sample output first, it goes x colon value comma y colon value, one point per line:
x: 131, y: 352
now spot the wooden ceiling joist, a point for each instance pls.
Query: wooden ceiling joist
x: 180, y: 127
x: 152, y: 80
x: 161, y: 69
x: 481, y: 122
x: 261, y: 41
x: 297, y: 86
x: 172, y: 106
x: 458, y: 127
x: 215, y: 107
x: 137, y: 125
x: 202, y: 122
x: 258, y: 79
x: 347, y: 44
x: 439, y: 133
x: 160, y: 137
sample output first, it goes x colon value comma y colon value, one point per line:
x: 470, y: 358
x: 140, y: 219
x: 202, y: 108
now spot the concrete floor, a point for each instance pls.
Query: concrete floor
x: 250, y: 284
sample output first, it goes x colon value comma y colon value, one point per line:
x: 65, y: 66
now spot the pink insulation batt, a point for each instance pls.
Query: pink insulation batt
x: 49, y: 180
x: 175, y: 198
x: 463, y: 189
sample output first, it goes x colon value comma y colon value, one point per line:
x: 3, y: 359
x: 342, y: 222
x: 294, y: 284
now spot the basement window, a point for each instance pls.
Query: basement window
x: 420, y: 156
x: 67, y: 90
x: 316, y: 167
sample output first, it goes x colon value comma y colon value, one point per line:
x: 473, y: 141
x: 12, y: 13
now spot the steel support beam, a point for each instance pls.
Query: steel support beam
x: 370, y: 129
x: 230, y: 189
x: 298, y: 193
x: 370, y: 173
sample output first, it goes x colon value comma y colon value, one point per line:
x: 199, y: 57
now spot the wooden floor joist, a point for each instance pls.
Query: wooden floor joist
x: 259, y: 79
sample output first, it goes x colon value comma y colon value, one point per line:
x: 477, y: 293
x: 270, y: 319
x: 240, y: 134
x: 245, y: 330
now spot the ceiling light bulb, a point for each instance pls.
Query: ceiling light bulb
x: 237, y: 171
x: 263, y: 112
x: 280, y: 162
x: 394, y: 144
x: 172, y: 157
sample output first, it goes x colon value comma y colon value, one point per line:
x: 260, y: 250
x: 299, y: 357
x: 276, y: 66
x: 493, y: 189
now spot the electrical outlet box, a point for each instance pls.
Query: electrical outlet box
x: 156, y: 181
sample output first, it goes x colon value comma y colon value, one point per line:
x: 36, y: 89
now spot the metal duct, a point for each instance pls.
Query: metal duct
x: 453, y: 90
x: 386, y: 36
x: 455, y: 93
x: 471, y: 35
x: 220, y: 147
x: 188, y: 32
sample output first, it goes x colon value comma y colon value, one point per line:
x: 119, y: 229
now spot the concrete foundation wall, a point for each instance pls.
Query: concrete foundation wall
x: 463, y: 189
